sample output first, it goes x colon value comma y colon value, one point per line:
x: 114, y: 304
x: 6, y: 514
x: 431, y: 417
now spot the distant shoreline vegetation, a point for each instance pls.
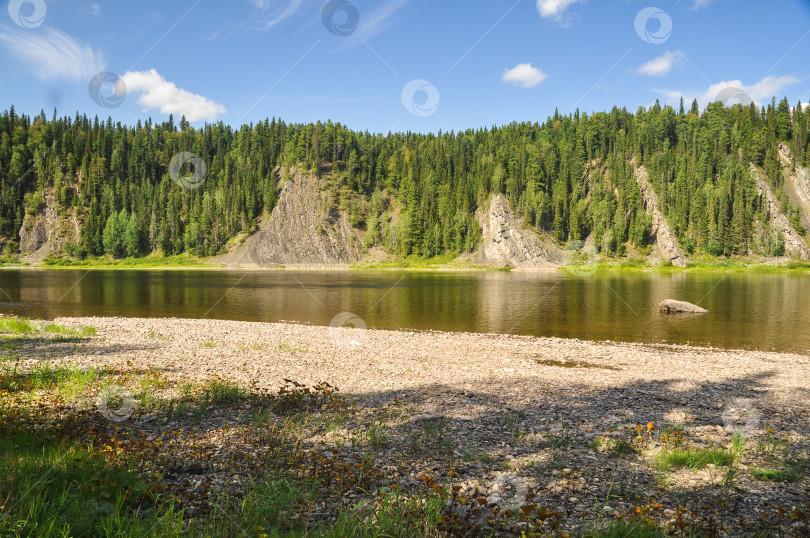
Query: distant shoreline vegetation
x: 439, y: 263
x: 107, y: 189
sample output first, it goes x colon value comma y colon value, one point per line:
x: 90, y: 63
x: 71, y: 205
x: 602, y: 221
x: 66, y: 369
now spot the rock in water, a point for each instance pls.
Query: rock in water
x: 671, y: 306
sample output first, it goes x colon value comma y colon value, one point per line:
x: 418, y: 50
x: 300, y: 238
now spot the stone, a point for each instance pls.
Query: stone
x: 672, y: 306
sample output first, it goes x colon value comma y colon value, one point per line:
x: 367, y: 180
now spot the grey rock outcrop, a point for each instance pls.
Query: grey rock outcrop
x: 665, y: 242
x: 506, y: 242
x: 304, y: 229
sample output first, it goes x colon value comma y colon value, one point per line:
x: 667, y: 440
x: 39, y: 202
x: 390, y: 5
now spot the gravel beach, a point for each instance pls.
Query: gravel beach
x: 524, y: 418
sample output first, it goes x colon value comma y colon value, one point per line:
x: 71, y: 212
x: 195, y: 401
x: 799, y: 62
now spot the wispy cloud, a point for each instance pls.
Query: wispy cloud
x: 157, y: 92
x: 698, y: 4
x: 524, y: 75
x: 375, y: 22
x: 760, y: 92
x: 557, y: 10
x: 273, y: 13
x: 95, y: 9
x: 662, y: 65
x: 50, y: 54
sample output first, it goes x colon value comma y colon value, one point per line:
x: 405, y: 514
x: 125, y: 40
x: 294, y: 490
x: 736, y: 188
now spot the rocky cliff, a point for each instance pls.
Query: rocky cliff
x: 304, y: 229
x: 48, y: 231
x: 794, y: 243
x: 797, y: 183
x: 506, y: 242
x: 665, y: 245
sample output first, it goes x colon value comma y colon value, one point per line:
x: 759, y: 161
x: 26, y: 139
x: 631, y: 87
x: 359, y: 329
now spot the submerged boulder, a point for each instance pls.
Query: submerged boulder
x: 671, y: 306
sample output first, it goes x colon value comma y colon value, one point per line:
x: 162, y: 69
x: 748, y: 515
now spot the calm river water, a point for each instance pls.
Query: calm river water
x: 754, y: 311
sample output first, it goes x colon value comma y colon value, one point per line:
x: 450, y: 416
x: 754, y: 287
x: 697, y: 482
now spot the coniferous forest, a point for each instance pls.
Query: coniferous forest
x: 571, y: 175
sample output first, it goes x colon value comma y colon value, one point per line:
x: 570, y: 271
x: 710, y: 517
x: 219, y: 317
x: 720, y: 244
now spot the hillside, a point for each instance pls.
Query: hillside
x: 660, y: 183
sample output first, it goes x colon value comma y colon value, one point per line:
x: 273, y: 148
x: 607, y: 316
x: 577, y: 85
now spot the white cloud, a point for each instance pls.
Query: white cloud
x: 661, y: 65
x: 95, y: 9
x: 698, y: 4
x: 157, y: 92
x: 760, y: 92
x: 554, y: 9
x: 524, y: 75
x: 51, y: 54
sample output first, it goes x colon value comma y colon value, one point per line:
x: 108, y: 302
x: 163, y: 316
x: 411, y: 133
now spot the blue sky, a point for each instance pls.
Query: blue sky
x: 395, y: 65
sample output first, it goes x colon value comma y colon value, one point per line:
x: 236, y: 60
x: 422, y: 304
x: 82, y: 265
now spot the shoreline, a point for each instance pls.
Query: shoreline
x: 613, y: 266
x: 582, y: 429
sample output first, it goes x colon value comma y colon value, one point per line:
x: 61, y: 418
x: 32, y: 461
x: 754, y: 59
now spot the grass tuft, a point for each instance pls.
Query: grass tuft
x: 692, y: 458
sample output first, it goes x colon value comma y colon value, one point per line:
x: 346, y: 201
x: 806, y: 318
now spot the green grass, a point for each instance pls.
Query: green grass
x: 147, y: 262
x: 443, y: 261
x: 692, y: 458
x: 217, y: 392
x: 16, y: 326
x: 397, y: 515
x: 56, y: 488
x: 625, y: 529
x: 70, y: 383
x: 10, y: 260
x: 268, y: 508
x: 25, y: 327
x: 53, y: 328
x: 782, y: 473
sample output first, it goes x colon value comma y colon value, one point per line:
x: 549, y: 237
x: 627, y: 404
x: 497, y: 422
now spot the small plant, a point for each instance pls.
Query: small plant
x: 287, y: 348
x: 434, y: 431
x: 787, y: 472
x: 613, y: 446
x: 694, y: 459
x: 486, y: 457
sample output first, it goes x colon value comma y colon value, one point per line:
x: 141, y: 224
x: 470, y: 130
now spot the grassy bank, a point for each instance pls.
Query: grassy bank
x: 437, y: 263
x: 108, y: 262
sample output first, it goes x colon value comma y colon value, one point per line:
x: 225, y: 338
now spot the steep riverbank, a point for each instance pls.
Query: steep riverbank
x: 571, y: 434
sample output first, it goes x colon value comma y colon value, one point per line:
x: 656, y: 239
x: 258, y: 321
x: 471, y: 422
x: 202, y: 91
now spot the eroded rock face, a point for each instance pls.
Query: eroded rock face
x: 47, y: 232
x: 505, y: 242
x: 303, y: 230
x: 794, y: 243
x: 665, y: 242
x: 671, y: 306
